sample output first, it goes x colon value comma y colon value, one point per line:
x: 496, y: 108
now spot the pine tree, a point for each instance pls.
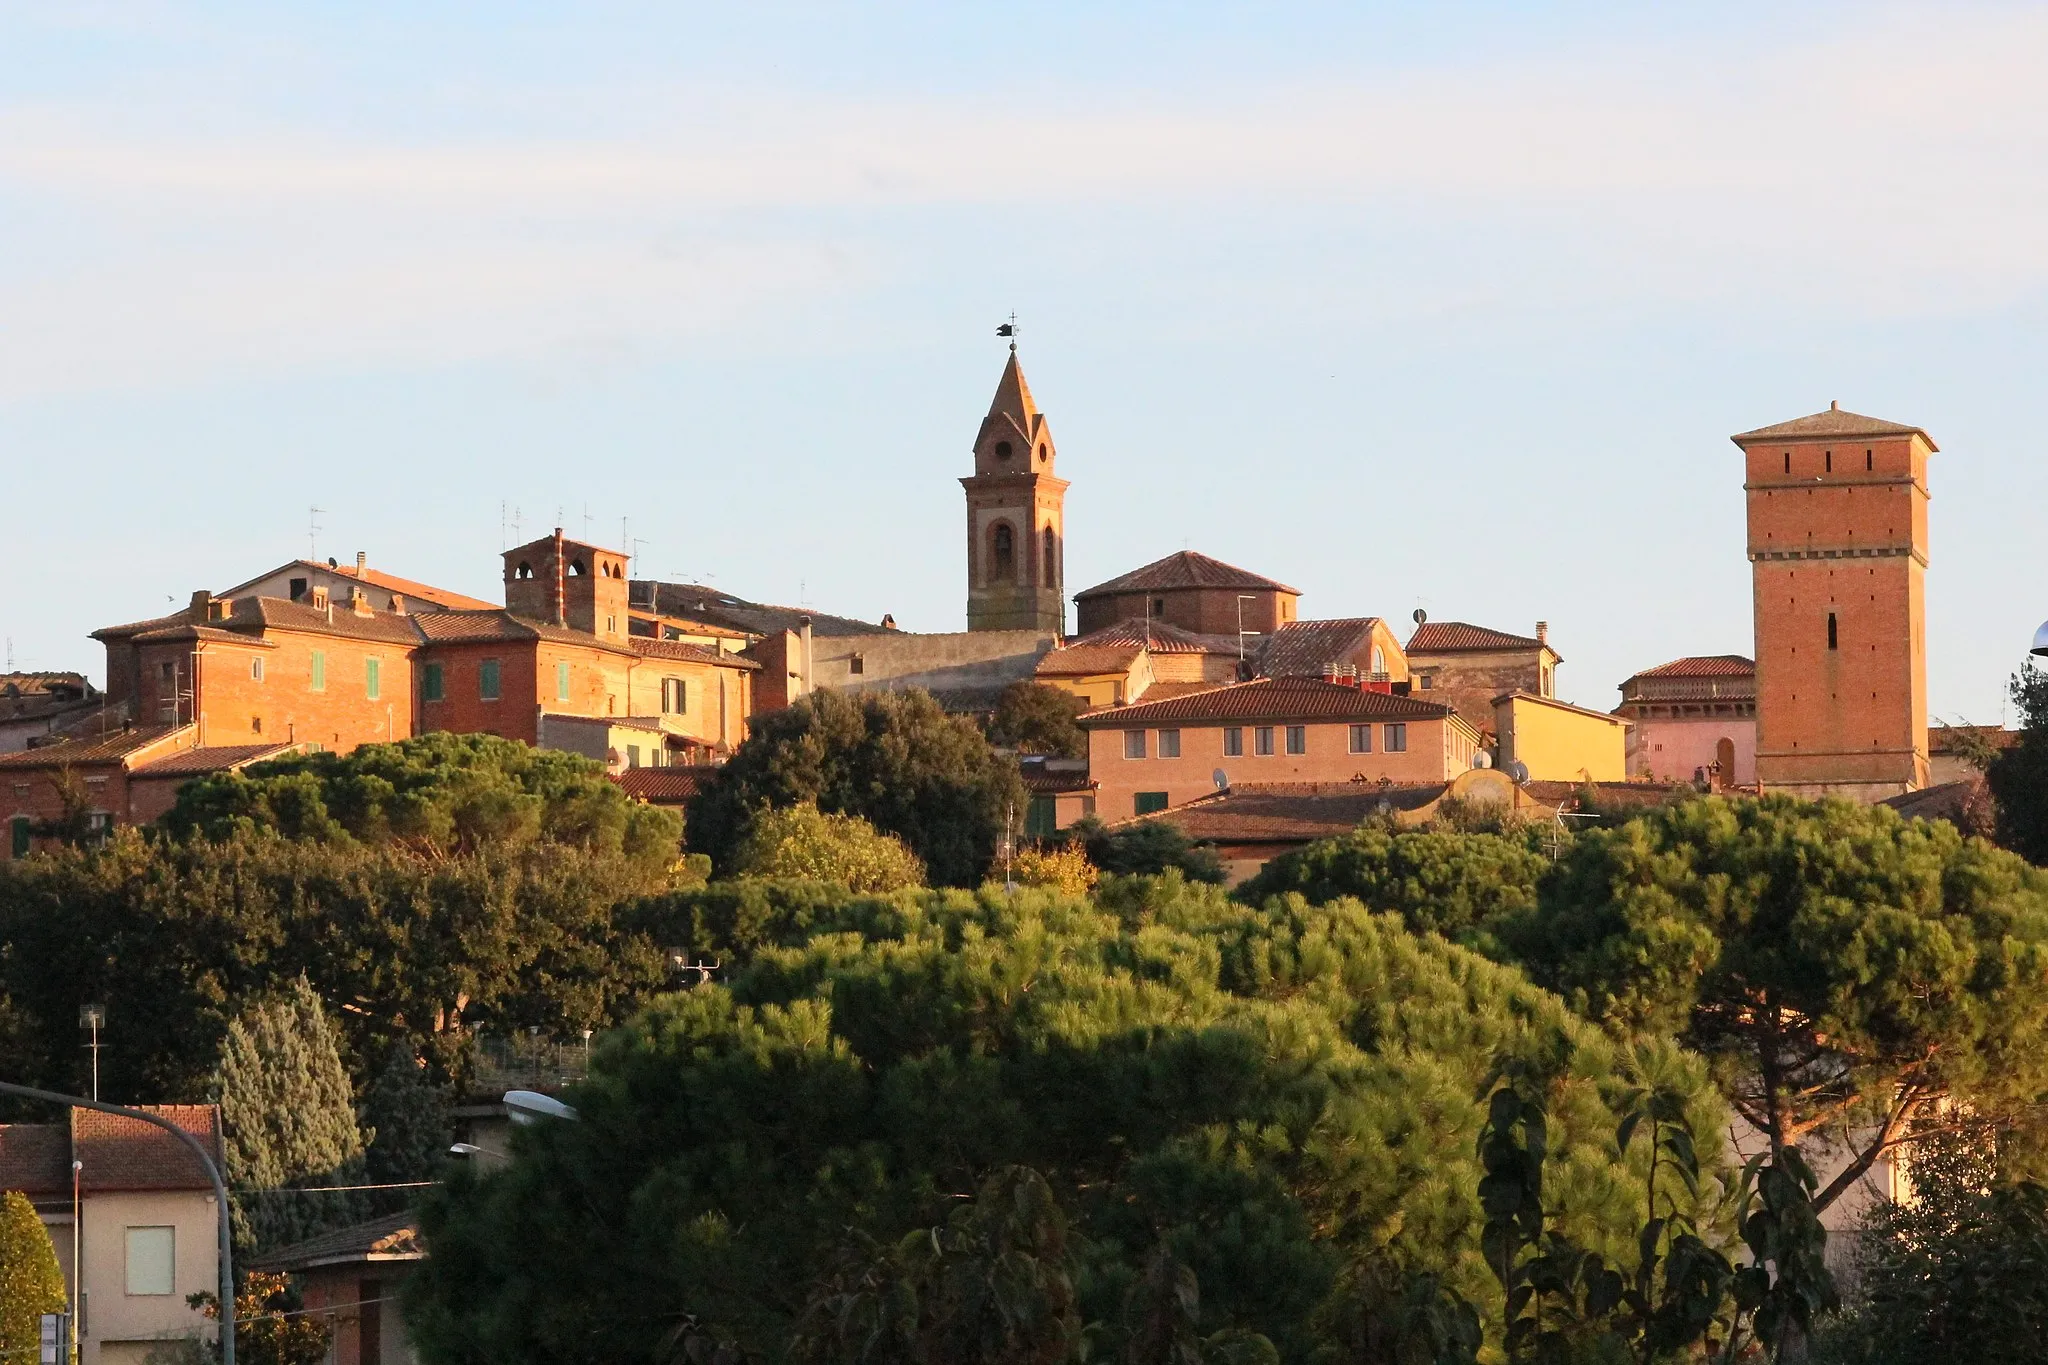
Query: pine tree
x: 290, y: 1119
x: 409, y: 1115
x: 30, y: 1282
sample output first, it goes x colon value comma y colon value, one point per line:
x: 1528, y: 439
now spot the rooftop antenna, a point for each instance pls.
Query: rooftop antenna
x: 504, y: 525
x: 10, y: 654
x: 586, y: 521
x: 313, y: 530
x: 633, y: 553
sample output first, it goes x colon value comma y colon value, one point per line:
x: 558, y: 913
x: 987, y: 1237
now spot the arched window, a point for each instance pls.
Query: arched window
x: 575, y: 568
x: 524, y: 570
x: 1002, y: 554
x: 1051, y: 560
x: 1379, y: 660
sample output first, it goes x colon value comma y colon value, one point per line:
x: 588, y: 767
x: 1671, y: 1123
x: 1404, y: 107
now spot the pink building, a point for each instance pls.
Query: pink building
x: 1155, y: 755
x: 1694, y: 718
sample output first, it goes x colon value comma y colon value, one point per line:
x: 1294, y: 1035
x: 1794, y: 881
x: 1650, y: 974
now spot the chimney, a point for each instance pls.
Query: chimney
x: 362, y: 562
x: 397, y: 605
x: 1543, y: 632
x: 561, y: 585
x: 319, y: 597
x: 359, y: 600
x: 201, y: 607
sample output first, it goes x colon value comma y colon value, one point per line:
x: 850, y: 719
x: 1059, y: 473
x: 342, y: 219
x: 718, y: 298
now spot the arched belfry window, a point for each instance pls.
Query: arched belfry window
x: 575, y: 568
x: 1002, y: 554
x: 524, y: 570
x: 1051, y: 560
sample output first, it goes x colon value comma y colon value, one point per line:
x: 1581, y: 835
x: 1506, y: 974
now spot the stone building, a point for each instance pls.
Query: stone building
x: 1466, y: 666
x: 1837, y: 511
x: 1191, y: 591
x: 1016, y: 528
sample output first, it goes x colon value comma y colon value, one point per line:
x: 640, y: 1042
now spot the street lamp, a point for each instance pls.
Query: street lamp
x: 206, y: 1162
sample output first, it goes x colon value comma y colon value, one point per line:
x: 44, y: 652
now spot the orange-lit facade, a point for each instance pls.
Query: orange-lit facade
x: 1838, y: 551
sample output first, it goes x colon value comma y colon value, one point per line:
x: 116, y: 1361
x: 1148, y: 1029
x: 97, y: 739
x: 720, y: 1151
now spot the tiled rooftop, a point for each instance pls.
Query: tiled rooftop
x: 688, y: 653
x: 1157, y: 636
x: 1704, y: 666
x: 89, y: 748
x: 121, y: 1153
x: 217, y: 758
x: 1078, y: 661
x: 1305, y: 649
x: 664, y: 786
x: 1449, y: 637
x: 1833, y: 422
x: 1184, y: 569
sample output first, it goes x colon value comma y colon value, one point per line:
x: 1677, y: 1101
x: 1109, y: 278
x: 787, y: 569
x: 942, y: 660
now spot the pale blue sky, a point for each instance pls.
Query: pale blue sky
x: 1439, y: 305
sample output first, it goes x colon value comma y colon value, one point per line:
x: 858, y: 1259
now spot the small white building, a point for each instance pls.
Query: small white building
x: 129, y: 1203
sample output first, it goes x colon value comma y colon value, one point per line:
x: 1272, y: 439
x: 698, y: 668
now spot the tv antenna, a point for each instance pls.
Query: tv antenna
x: 313, y: 530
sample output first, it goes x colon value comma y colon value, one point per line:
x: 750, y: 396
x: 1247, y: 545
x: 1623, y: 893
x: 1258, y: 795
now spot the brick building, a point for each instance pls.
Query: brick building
x: 1155, y: 755
x: 1837, y: 511
x: 1016, y: 508
x: 1694, y: 718
x: 1193, y: 592
x: 1466, y: 666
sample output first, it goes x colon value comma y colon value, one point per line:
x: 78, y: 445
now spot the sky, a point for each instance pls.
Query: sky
x: 1439, y: 306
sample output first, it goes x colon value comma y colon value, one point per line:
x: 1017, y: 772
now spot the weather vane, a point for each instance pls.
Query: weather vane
x: 1009, y: 329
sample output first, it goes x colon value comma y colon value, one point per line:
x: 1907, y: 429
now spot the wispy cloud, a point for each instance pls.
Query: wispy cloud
x: 1891, y: 170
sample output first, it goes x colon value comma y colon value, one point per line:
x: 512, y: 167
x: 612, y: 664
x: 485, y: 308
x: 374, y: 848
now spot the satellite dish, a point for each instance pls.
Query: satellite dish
x: 530, y: 1106
x: 1482, y: 759
x: 1420, y: 616
x: 1518, y: 770
x: 1221, y: 779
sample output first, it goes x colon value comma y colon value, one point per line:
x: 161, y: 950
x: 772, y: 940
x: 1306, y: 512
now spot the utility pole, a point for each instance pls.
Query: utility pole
x: 93, y: 1017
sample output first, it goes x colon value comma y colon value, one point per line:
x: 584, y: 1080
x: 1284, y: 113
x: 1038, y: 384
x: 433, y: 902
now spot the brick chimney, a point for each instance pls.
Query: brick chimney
x: 1543, y: 632
x: 561, y: 585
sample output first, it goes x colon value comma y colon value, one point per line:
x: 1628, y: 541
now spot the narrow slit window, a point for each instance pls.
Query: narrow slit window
x: 1833, y: 637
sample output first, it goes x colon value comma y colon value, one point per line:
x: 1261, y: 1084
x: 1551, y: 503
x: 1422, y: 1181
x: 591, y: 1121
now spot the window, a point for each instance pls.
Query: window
x: 487, y: 680
x: 1829, y: 458
x: 1051, y: 573
x: 1297, y: 739
x: 561, y: 682
x: 1379, y: 659
x: 611, y: 625
x: 166, y: 677
x: 1262, y: 741
x: 1397, y: 739
x: 431, y: 684
x: 1788, y: 462
x: 632, y: 755
x: 1002, y: 450
x: 857, y: 664
x: 1159, y: 606
x: 675, y: 696
x: 256, y: 670
x: 525, y: 570
x: 1233, y: 742
x: 373, y: 678
x: 18, y: 837
x: 1041, y: 818
x: 318, y: 681
x: 1361, y: 739
x: 1866, y: 459
x: 152, y: 1260
x: 1149, y: 802
x: 1428, y: 682
x: 1169, y: 744
x: 255, y: 725
x: 1134, y: 744
x: 298, y: 590
x: 1832, y: 635
x: 1002, y: 554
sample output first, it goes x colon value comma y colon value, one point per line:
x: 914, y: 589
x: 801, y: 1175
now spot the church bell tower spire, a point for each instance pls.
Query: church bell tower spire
x: 1016, y: 527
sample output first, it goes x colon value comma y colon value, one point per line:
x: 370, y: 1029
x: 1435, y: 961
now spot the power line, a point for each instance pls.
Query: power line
x: 336, y: 1189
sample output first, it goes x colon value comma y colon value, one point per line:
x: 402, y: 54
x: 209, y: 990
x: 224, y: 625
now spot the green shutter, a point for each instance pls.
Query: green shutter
x: 430, y: 683
x: 373, y: 678
x: 1041, y: 818
x: 319, y: 670
x: 1150, y: 802
x: 21, y: 839
x: 487, y: 680
x: 561, y: 682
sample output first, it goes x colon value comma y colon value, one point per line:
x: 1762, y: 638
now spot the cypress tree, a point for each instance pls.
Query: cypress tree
x: 290, y: 1119
x: 30, y: 1282
x: 409, y: 1116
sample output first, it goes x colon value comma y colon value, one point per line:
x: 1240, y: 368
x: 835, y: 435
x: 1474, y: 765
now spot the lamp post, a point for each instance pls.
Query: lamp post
x: 206, y: 1162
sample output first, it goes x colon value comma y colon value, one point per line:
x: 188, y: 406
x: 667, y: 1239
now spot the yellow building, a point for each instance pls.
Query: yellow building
x: 1101, y: 675
x: 1559, y: 742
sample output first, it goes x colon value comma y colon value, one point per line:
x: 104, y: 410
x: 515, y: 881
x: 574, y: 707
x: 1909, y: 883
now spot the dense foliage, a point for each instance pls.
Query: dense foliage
x: 439, y: 792
x: 1438, y: 881
x: 1845, y: 971
x: 1145, y: 849
x: 2019, y: 776
x: 802, y: 843
x: 893, y: 758
x: 1034, y: 718
x: 31, y: 1282
x: 269, y: 1329
x: 289, y: 1119
x: 176, y: 937
x: 1277, y: 1097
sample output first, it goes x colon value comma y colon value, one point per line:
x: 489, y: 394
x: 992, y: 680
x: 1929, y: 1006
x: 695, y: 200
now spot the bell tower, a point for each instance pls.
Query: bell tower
x: 1016, y: 524
x: 1838, y: 559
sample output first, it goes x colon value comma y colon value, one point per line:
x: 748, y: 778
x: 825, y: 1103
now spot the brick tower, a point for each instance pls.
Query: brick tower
x: 1016, y: 531
x: 1838, y: 556
x: 571, y: 583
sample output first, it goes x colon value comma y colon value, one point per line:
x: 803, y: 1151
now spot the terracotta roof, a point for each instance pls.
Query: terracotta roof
x: 1519, y: 695
x: 1636, y: 794
x: 394, y: 1237
x: 1293, y: 812
x: 1304, y: 649
x: 215, y: 758
x: 281, y: 613
x: 36, y: 684
x: 137, y: 627
x: 1957, y: 802
x: 1045, y: 776
x: 409, y: 588
x: 1704, y: 666
x: 1272, y: 699
x: 1450, y: 637
x: 186, y: 630
x: 1013, y: 406
x: 35, y: 1158
x: 1833, y: 422
x: 1160, y: 691
x: 1159, y: 637
x: 108, y: 748
x: 717, y: 607
x: 471, y: 627
x: 1076, y: 661
x: 664, y: 786
x: 688, y: 653
x: 127, y: 1154
x: 1184, y: 569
